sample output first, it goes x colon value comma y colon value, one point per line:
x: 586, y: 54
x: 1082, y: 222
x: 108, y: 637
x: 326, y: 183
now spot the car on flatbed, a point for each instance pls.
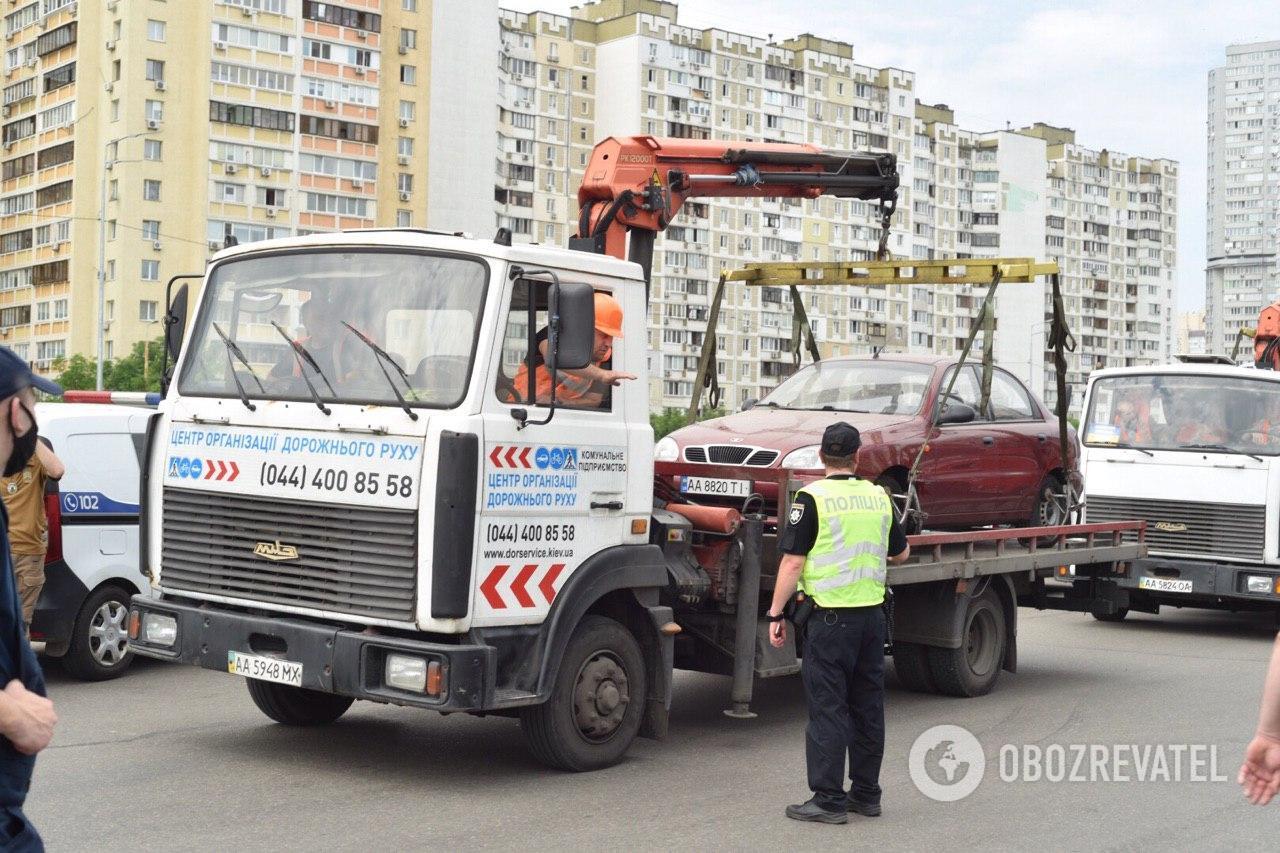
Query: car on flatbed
x: 988, y: 463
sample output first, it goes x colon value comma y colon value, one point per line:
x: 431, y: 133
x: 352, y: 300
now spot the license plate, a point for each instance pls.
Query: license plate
x: 265, y: 668
x: 714, y: 486
x: 1164, y: 584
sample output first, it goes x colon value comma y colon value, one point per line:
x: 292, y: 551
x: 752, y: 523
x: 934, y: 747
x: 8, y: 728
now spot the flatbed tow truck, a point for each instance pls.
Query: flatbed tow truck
x: 404, y: 529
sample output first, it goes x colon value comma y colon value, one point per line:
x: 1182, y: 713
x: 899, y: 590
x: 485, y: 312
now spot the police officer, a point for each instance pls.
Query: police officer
x: 26, y: 716
x: 840, y: 533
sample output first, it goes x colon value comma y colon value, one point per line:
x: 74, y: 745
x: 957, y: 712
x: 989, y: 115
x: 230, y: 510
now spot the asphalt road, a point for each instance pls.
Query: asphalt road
x: 175, y: 758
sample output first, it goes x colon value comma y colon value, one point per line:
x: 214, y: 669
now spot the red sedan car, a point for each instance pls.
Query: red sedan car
x: 992, y: 464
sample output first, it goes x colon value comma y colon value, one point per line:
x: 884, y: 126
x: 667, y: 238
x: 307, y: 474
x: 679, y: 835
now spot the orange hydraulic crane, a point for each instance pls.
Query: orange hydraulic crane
x: 637, y: 184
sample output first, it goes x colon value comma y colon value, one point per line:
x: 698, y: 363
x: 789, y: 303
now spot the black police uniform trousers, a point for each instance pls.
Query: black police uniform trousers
x: 843, y: 671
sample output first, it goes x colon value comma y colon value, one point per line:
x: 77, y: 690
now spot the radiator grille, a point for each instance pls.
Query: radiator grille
x: 731, y: 454
x: 1227, y: 530
x: 359, y: 561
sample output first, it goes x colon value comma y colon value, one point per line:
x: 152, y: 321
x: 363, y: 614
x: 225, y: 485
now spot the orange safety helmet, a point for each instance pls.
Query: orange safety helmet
x: 608, y: 315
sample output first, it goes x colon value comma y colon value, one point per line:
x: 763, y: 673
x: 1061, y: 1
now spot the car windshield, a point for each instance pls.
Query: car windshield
x: 1188, y: 412
x: 276, y: 322
x: 871, y: 385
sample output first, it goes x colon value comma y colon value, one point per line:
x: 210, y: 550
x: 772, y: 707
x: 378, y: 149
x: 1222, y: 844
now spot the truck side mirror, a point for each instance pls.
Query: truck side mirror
x: 574, y: 311
x: 175, y: 322
x: 956, y: 413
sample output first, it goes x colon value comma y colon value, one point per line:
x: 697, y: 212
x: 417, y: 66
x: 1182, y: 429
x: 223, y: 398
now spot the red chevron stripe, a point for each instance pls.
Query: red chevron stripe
x: 208, y: 468
x: 548, y: 585
x: 235, y: 470
x: 517, y: 585
x: 490, y: 588
x: 494, y: 456
x: 524, y: 457
x: 511, y: 456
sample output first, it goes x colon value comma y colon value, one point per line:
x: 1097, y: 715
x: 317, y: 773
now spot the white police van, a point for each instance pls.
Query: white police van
x: 92, y: 565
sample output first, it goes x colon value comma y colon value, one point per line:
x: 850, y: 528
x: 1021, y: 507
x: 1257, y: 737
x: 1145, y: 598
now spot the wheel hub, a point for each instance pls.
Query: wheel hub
x: 600, y: 697
x: 108, y: 638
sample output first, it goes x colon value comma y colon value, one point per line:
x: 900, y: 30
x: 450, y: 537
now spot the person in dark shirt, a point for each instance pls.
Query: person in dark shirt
x: 26, y: 715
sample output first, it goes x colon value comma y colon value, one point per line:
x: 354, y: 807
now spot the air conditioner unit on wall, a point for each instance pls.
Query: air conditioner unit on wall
x: 155, y: 245
x: 271, y: 212
x: 404, y: 122
x: 161, y: 86
x: 404, y: 196
x: 230, y: 168
x: 403, y: 159
x: 152, y: 124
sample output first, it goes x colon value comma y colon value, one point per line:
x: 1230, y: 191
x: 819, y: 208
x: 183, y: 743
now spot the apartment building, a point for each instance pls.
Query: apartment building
x: 139, y: 136
x: 964, y: 194
x: 1243, y: 223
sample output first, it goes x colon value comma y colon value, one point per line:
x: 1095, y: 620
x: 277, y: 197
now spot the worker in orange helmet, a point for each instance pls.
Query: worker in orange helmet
x: 590, y: 386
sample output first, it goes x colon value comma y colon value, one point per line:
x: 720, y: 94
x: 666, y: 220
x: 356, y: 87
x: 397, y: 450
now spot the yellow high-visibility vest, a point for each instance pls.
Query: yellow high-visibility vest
x: 846, y: 567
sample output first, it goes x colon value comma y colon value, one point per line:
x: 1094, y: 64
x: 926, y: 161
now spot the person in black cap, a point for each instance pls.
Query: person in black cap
x: 26, y: 715
x: 840, y: 534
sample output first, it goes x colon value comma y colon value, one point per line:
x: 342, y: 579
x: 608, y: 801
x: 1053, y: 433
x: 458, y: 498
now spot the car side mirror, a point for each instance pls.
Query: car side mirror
x: 573, y: 311
x: 749, y: 404
x: 956, y: 413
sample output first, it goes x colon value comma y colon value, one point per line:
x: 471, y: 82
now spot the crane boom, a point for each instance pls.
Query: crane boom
x: 637, y: 184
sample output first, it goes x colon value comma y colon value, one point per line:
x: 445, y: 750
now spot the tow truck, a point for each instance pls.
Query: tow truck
x: 373, y: 510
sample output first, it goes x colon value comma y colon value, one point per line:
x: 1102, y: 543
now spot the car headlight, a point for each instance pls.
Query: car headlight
x: 806, y: 458
x: 666, y: 450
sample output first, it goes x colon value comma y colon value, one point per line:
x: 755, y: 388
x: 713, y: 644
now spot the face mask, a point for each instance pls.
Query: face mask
x: 24, y: 447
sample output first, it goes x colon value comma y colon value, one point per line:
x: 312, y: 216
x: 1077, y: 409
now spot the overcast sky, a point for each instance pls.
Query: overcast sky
x: 1132, y: 82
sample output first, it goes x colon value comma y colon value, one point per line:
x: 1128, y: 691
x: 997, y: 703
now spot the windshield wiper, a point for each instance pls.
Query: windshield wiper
x: 1221, y: 447
x: 830, y: 408
x: 1128, y: 446
x: 232, y: 349
x: 384, y: 356
x: 300, y: 353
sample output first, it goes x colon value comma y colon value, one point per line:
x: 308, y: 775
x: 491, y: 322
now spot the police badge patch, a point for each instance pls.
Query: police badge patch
x: 797, y: 513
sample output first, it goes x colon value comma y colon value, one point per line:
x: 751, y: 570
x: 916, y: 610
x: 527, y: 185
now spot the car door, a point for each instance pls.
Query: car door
x: 1021, y: 437
x: 952, y: 482
x: 552, y: 494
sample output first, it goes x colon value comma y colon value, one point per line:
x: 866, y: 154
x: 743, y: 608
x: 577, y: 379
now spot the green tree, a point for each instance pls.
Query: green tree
x: 79, y: 373
x: 670, y: 420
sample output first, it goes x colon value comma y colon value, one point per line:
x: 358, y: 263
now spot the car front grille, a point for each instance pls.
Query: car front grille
x: 357, y: 561
x: 731, y: 454
x: 1237, y: 531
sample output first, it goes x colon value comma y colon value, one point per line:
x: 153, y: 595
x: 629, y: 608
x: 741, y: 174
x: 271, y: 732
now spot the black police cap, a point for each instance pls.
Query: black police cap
x: 15, y: 375
x: 841, y: 439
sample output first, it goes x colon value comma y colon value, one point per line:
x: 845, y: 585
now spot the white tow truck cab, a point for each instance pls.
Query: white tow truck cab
x: 344, y: 494
x: 1193, y: 449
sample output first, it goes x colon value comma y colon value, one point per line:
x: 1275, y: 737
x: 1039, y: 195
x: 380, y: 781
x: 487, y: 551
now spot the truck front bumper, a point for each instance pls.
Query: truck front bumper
x: 1200, y: 583
x: 334, y: 659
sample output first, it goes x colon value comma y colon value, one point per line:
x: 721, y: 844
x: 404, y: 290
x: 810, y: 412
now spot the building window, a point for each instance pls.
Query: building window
x: 155, y: 30
x: 154, y: 111
x: 407, y: 110
x: 335, y: 129
x: 409, y: 5
x: 59, y: 77
x: 147, y: 311
x: 408, y: 39
x: 250, y: 116
x: 110, y: 273
x: 150, y: 229
x: 404, y: 146
x: 151, y: 149
x: 53, y: 194
x: 404, y: 218
x: 404, y: 183
x: 408, y: 75
x: 150, y: 270
x: 155, y: 70
x: 42, y: 312
x: 150, y: 190
x: 112, y: 228
x: 331, y: 13
x: 56, y: 39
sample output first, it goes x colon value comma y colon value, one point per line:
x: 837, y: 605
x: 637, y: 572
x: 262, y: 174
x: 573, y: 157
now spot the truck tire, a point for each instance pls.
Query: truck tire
x: 297, y: 706
x: 596, y: 703
x: 1118, y: 616
x: 911, y: 663
x: 972, y: 669
x: 99, y: 647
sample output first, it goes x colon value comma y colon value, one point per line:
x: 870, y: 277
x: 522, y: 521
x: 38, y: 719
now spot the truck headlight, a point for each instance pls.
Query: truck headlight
x: 1257, y: 583
x: 806, y: 458
x: 666, y: 450
x: 415, y: 674
x: 159, y: 629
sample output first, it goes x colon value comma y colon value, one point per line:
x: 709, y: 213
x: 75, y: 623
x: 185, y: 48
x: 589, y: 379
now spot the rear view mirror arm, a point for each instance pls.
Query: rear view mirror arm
x: 553, y: 339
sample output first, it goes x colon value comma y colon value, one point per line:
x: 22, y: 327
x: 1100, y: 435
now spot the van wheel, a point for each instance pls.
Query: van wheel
x: 972, y: 669
x: 297, y: 706
x: 596, y: 704
x: 99, y: 647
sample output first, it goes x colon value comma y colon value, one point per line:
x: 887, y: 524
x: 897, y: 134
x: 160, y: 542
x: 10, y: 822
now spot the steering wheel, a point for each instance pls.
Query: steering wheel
x: 507, y: 388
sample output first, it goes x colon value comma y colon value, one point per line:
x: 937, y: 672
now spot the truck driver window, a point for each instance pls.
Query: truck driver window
x: 512, y: 386
x: 367, y: 327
